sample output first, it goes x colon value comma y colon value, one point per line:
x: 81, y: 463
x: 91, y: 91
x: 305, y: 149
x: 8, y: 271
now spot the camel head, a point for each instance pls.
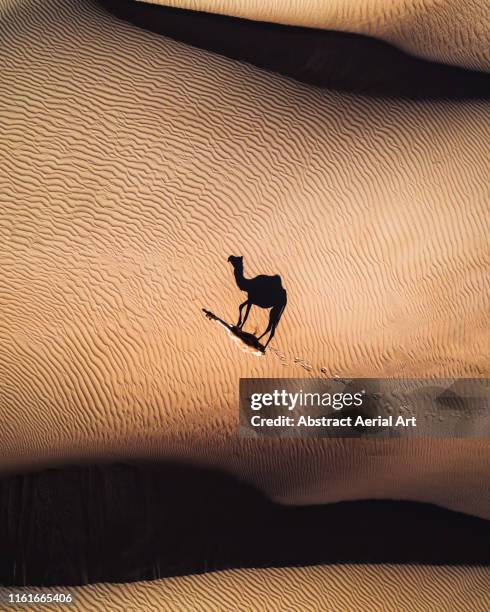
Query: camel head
x: 236, y: 260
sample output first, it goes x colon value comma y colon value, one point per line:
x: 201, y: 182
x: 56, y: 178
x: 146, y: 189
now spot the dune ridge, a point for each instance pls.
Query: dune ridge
x: 453, y: 32
x: 335, y: 60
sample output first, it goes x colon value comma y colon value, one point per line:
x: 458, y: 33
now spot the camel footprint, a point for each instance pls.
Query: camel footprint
x: 304, y: 364
x: 281, y: 356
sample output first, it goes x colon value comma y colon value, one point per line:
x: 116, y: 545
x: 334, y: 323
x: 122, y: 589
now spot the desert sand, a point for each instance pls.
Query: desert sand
x: 325, y: 588
x: 132, y: 166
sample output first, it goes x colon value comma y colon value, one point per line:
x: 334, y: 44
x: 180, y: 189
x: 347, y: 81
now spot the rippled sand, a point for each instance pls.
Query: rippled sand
x: 132, y: 166
x: 326, y: 588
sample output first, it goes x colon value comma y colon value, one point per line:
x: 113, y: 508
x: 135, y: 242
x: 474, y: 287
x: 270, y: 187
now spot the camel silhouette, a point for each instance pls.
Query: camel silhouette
x: 263, y: 291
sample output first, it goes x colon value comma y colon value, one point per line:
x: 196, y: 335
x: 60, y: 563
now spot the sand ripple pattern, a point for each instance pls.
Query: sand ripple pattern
x: 389, y: 588
x: 131, y: 166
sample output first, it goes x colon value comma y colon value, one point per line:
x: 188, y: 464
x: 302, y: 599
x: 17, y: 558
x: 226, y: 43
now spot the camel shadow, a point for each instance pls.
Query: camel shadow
x: 262, y: 291
x: 245, y: 337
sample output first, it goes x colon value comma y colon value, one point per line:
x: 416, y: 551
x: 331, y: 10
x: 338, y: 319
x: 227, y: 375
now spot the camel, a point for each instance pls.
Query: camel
x: 263, y: 291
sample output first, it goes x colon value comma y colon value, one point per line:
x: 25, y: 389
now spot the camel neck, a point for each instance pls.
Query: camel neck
x: 241, y: 281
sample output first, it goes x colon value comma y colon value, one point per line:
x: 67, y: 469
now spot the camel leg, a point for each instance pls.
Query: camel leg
x: 268, y: 329
x: 249, y: 305
x: 273, y: 331
x: 274, y: 317
x: 240, y: 308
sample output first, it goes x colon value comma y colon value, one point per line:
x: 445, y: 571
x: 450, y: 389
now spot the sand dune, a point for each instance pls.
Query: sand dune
x: 340, y: 61
x: 451, y: 31
x: 330, y: 589
x: 132, y: 166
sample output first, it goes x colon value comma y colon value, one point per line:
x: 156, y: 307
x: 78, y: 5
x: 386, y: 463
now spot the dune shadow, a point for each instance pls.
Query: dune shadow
x: 140, y: 521
x: 328, y: 59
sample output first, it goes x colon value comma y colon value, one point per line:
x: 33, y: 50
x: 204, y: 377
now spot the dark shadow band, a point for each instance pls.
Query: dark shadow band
x: 334, y: 60
x: 125, y: 522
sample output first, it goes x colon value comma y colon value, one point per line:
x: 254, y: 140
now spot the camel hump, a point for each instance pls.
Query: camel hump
x: 279, y: 288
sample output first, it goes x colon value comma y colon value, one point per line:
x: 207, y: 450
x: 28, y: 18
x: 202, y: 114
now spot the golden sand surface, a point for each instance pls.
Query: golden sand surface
x: 132, y: 166
x: 387, y: 588
x: 448, y: 31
